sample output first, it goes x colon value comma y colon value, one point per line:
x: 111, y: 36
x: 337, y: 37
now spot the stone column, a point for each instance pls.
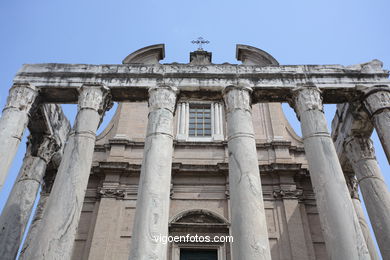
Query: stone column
x: 353, y: 190
x: 377, y: 103
x: 248, y: 220
x: 152, y: 210
x: 57, y: 230
x: 361, y: 155
x: 13, y: 122
x: 35, y: 224
x: 17, y: 211
x: 342, y: 233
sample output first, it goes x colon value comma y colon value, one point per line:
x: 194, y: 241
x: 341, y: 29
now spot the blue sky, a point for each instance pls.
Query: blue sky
x: 104, y: 32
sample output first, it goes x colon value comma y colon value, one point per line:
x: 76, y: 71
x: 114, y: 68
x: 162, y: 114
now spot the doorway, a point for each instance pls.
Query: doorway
x: 198, y: 254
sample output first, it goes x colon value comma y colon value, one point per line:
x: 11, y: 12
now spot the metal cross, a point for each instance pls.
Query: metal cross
x: 200, y: 41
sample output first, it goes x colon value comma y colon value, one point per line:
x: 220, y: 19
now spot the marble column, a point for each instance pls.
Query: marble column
x: 13, y: 122
x: 57, y: 230
x: 248, y: 220
x: 361, y: 155
x: 17, y: 211
x: 377, y: 103
x: 342, y: 233
x: 152, y: 209
x: 353, y: 189
x: 35, y: 224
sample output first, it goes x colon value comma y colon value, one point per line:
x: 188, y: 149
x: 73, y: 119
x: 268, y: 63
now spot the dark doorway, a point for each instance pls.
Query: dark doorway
x: 198, y: 254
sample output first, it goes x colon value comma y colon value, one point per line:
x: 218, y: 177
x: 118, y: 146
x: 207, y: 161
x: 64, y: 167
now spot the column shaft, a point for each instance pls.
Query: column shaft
x: 36, y: 223
x: 16, y: 213
x: 342, y: 233
x: 248, y: 220
x: 353, y: 189
x: 377, y: 102
x: 152, y: 210
x: 57, y: 231
x: 13, y: 122
x: 361, y: 154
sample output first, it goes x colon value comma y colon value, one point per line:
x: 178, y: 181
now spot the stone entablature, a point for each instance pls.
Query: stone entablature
x: 130, y: 82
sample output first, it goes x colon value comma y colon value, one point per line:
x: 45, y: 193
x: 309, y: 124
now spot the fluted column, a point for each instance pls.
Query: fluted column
x: 353, y: 189
x: 361, y: 155
x: 248, y: 220
x: 377, y: 103
x: 152, y: 210
x: 217, y: 126
x: 57, y: 230
x: 13, y: 122
x: 342, y: 233
x: 17, y: 210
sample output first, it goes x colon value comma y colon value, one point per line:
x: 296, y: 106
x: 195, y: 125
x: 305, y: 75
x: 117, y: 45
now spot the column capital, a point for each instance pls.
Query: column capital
x: 352, y: 184
x: 359, y: 148
x: 162, y: 97
x: 96, y: 97
x: 306, y: 97
x: 48, y: 147
x: 42, y: 146
x: 376, y: 98
x: 237, y: 97
x: 21, y: 96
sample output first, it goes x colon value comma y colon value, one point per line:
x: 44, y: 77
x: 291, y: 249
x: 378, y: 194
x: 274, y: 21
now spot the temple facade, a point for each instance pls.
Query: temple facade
x: 197, y: 150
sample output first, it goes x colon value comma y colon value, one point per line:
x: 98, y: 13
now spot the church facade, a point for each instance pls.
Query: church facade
x: 198, y: 150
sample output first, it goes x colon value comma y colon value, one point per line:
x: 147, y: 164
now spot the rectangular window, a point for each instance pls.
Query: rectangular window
x: 200, y: 120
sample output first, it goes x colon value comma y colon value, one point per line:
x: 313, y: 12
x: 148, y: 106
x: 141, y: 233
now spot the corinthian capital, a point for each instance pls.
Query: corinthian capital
x: 21, y: 97
x: 376, y: 99
x: 237, y: 97
x: 359, y: 148
x: 96, y: 97
x: 162, y: 97
x: 306, y: 97
x: 43, y: 146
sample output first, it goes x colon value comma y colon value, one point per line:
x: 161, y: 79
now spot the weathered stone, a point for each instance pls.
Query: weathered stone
x: 353, y: 189
x: 361, y: 154
x: 57, y: 230
x: 200, y: 167
x: 152, y: 212
x: 35, y: 224
x: 13, y: 122
x: 59, y: 82
x: 377, y: 103
x: 17, y: 210
x: 249, y: 227
x: 342, y: 232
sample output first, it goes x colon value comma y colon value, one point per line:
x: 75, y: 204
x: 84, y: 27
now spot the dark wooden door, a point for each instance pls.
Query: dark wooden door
x: 198, y: 254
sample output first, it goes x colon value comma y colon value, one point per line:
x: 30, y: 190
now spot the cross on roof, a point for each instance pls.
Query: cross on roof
x: 200, y: 41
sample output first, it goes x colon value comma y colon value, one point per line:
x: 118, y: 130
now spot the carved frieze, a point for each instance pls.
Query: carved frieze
x: 112, y: 193
x: 288, y: 194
